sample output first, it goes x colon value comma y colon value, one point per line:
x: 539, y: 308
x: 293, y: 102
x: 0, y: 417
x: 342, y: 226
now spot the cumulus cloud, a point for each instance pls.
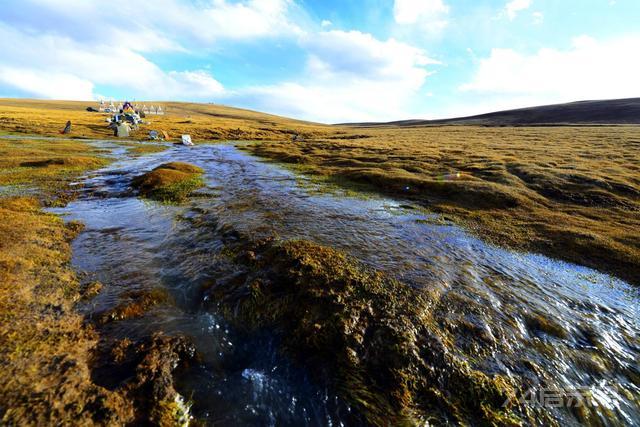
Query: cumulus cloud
x: 590, y: 69
x: 430, y: 15
x: 46, y: 84
x: 73, y: 49
x: 349, y: 76
x: 53, y: 66
x: 512, y: 8
x: 83, y: 43
x: 158, y: 25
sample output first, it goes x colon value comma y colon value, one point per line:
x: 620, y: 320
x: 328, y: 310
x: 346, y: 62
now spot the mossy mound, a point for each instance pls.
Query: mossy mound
x: 182, y: 167
x: 73, y: 161
x: 143, y: 371
x: 134, y: 304
x: 373, y: 337
x: 169, y: 182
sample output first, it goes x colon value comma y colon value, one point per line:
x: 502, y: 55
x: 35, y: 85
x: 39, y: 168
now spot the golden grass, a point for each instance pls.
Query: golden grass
x: 45, y: 167
x: 44, y: 347
x: 201, y: 121
x: 569, y: 192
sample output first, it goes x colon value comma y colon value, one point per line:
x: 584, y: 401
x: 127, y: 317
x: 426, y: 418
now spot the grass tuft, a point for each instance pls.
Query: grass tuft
x: 170, y: 182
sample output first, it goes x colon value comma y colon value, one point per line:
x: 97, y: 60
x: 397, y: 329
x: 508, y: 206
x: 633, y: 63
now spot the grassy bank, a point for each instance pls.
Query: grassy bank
x: 569, y: 192
x: 47, y: 351
x: 44, y: 346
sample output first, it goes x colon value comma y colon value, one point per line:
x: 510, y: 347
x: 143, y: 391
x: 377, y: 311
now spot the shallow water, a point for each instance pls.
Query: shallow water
x: 131, y: 244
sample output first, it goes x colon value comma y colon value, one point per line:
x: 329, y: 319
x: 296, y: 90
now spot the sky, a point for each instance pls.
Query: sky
x: 329, y: 61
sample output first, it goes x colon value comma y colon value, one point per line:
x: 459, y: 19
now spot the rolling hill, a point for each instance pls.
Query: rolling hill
x: 606, y: 112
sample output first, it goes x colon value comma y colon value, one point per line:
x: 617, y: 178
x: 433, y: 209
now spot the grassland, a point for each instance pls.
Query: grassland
x: 569, y: 192
x: 47, y: 350
x: 44, y: 347
x: 44, y: 169
x: 201, y: 121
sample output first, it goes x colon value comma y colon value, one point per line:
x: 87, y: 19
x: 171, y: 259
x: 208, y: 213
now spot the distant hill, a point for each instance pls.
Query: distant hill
x: 607, y: 112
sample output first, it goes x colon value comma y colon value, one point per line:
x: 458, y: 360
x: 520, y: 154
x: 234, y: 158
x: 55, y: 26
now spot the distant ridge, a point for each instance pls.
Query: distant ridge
x: 605, y: 112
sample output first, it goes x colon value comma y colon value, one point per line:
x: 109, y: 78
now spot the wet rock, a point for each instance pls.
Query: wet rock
x: 144, y: 371
x: 539, y: 323
x: 134, y: 304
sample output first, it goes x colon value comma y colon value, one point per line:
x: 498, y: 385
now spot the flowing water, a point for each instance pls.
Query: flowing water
x: 579, y: 328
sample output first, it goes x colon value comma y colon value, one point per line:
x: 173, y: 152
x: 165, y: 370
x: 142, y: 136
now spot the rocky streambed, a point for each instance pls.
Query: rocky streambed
x: 279, y: 301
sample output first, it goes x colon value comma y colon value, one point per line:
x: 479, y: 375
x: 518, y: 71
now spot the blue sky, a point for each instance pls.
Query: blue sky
x: 328, y: 61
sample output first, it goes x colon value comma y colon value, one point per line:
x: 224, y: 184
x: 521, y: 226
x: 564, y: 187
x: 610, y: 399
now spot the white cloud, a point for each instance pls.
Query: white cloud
x: 158, y: 25
x: 512, y: 8
x: 326, y: 23
x: 430, y: 15
x: 84, y: 43
x: 538, y: 18
x: 349, y: 76
x: 68, y: 50
x: 251, y: 19
x: 590, y: 69
x: 75, y: 68
x: 362, y: 56
x: 46, y: 84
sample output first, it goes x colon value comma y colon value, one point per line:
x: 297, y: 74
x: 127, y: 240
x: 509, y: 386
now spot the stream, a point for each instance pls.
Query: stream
x: 132, y: 244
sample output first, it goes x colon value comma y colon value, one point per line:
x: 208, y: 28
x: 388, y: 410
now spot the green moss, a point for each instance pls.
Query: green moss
x: 385, y: 353
x: 170, y: 182
x: 538, y: 322
x: 142, y: 149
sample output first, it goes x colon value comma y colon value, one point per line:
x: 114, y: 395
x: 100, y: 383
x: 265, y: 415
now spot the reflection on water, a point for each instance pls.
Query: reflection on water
x: 515, y: 314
